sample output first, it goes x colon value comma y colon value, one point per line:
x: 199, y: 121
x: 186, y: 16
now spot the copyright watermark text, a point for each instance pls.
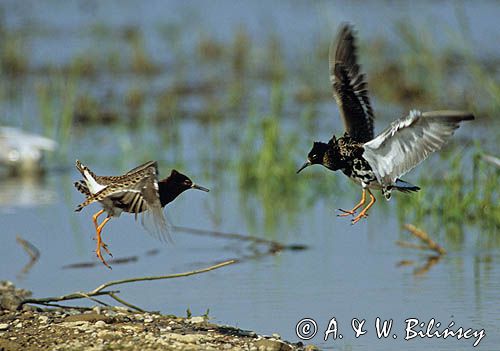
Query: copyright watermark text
x: 308, y: 328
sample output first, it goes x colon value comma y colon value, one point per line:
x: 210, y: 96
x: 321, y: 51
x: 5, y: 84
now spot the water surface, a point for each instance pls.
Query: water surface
x: 347, y: 271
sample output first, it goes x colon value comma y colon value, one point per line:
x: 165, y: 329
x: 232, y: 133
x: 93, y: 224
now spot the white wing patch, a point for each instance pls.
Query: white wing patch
x: 92, y: 184
x: 410, y: 140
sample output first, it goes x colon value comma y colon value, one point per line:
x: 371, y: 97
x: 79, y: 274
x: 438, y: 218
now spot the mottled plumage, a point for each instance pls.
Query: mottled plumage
x: 138, y: 191
x: 376, y: 163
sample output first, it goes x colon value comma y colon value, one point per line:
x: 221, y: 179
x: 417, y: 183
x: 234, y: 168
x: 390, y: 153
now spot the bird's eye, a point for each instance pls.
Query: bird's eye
x: 314, y: 156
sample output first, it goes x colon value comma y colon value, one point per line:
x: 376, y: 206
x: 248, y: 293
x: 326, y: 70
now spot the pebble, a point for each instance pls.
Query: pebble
x: 100, y: 324
x: 121, y: 309
x: 196, y: 320
x: 175, y: 333
x: 104, y: 334
x: 271, y: 345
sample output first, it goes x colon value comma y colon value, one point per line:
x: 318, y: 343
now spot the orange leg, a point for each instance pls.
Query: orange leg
x: 100, y: 243
x: 363, y: 213
x: 353, y: 211
x: 94, y: 218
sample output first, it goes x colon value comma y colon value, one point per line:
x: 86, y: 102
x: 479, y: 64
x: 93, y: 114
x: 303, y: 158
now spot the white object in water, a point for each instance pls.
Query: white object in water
x: 22, y: 152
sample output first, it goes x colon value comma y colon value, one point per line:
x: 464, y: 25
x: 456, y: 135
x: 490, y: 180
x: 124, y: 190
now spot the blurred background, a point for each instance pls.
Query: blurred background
x: 232, y: 94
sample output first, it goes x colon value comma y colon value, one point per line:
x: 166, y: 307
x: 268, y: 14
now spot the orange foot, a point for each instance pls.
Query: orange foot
x: 353, y: 211
x: 358, y: 218
x: 99, y: 255
x: 363, y: 213
x: 101, y: 244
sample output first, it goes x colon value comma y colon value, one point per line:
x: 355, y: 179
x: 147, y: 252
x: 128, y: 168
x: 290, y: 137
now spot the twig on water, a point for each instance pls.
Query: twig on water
x: 99, y: 291
x: 272, y: 247
x: 275, y: 246
x: 31, y: 250
x: 409, y: 245
x: 429, y: 263
x: 427, y: 244
x: 425, y: 238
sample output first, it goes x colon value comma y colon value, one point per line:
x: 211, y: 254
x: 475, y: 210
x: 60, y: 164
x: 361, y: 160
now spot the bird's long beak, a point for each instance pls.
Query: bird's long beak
x: 199, y: 187
x: 306, y: 164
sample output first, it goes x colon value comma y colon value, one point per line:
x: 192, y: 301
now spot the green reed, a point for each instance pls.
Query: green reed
x: 266, y: 165
x: 466, y: 194
x: 13, y: 54
x: 56, y: 99
x: 271, y: 132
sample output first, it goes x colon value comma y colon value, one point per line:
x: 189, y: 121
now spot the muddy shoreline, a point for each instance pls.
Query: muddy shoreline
x: 32, y: 328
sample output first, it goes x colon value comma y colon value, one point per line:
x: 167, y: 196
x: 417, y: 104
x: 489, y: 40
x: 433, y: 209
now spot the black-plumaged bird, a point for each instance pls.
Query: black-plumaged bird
x: 137, y: 191
x: 375, y: 162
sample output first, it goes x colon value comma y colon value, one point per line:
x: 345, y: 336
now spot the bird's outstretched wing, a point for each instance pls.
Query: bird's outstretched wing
x: 144, y: 166
x: 410, y: 140
x: 143, y: 198
x: 105, y: 180
x: 138, y: 195
x: 349, y: 86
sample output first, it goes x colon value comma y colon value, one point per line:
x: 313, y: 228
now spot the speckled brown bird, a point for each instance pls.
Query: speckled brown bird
x: 138, y: 191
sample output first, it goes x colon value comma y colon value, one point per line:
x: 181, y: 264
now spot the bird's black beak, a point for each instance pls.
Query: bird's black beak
x: 199, y: 187
x: 307, y: 164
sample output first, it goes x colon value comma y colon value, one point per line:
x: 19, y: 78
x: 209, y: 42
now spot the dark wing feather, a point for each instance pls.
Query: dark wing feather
x: 349, y: 87
x: 82, y: 187
x: 137, y: 193
x: 142, y: 197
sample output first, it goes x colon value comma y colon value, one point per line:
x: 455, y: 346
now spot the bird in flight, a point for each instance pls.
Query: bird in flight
x: 375, y: 162
x: 138, y: 191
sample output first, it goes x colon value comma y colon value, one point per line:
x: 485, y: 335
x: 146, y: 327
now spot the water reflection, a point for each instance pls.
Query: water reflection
x: 28, y: 191
x: 33, y: 253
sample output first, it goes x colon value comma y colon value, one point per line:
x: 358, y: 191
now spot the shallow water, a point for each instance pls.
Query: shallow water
x: 347, y: 271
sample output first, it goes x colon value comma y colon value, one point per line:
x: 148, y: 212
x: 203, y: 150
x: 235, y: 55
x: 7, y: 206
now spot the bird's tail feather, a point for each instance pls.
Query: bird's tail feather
x: 82, y: 168
x: 405, y: 187
x: 85, y: 203
x: 82, y: 187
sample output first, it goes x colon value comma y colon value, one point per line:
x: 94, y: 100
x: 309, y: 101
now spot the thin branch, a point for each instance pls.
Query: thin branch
x: 99, y: 290
x: 31, y: 250
x: 425, y: 238
x: 96, y: 300
x: 429, y: 263
x: 409, y: 245
x: 125, y: 303
x: 80, y: 308
x: 170, y: 276
x: 73, y: 296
